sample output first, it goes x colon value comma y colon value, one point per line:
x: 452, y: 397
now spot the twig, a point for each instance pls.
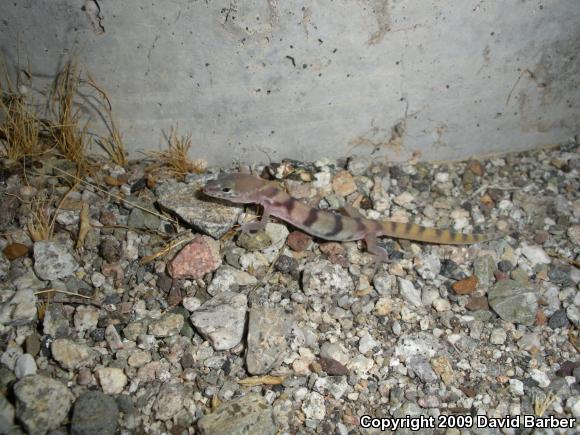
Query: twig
x: 56, y: 290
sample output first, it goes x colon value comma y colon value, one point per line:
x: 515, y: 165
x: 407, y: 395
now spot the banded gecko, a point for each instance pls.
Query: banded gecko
x: 328, y: 225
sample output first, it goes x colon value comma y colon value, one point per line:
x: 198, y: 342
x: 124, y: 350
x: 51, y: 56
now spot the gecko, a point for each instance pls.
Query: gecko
x: 325, y: 224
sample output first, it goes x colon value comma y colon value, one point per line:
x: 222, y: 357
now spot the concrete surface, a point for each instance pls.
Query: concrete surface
x: 252, y: 79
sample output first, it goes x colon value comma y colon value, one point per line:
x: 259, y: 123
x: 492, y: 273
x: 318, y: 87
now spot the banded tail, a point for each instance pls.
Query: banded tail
x: 433, y: 235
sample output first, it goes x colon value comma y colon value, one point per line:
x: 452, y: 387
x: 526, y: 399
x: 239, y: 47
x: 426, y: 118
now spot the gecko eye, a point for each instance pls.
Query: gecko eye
x: 226, y: 189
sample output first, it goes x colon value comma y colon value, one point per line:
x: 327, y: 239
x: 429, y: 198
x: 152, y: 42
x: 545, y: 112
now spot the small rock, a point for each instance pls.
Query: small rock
x: 191, y: 303
x: 15, y: 250
x: 421, y: 368
x: 268, y: 329
x: 313, y: 406
x: 476, y: 303
x: 53, y: 261
x: 540, y: 377
x: 367, y: 343
x: 505, y: 266
x: 335, y: 351
x: 254, y: 241
x: 32, y: 344
x: 221, y: 319
x: 86, y: 318
x: 514, y: 302
x: 332, y: 367
x: 199, y: 257
x: 442, y: 366
x: 250, y: 414
x: 212, y: 217
x: 111, y: 379
x: 343, y: 184
x: 336, y: 386
x: 483, y: 269
x: 71, y: 355
x: 409, y: 292
x: 561, y: 275
x: 516, y: 387
x: 535, y: 254
x: 113, y: 338
x: 56, y: 321
x: 559, y: 320
x: 498, y: 336
x: 167, y: 325
x: 323, y: 277
x: 465, y: 286
x: 42, y: 403
x: 20, y: 309
x: 227, y: 278
x: 574, y: 234
x: 7, y: 417
x: 405, y: 200
x: 139, y: 358
x: 25, y: 366
x: 383, y: 306
x: 299, y: 241
x: 573, y: 314
x: 441, y: 305
x: 94, y: 413
x: 428, y: 266
x: 169, y: 401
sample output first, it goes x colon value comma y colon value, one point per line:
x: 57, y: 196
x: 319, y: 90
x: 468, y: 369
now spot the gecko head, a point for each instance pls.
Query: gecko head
x: 240, y: 188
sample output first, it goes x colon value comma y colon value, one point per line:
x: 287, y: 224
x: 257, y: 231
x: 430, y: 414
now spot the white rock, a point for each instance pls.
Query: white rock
x: 535, y: 254
x: 25, y: 366
x: 498, y: 336
x: 313, y: 406
x: 112, y: 379
x: 409, y: 292
x: 367, y: 343
x: 221, y: 319
x: 86, y: 318
x: 191, y: 303
x: 53, y: 261
x: 441, y: 305
x: 228, y: 278
x: 540, y: 377
x: 516, y: 387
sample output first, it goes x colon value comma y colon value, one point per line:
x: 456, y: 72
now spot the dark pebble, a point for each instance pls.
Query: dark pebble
x: 450, y: 269
x: 32, y: 345
x: 559, y: 320
x: 560, y: 275
x: 164, y: 282
x: 505, y: 266
x: 94, y: 413
x: 332, y: 367
x: 110, y: 249
x: 286, y: 264
x: 567, y: 368
x: 98, y: 334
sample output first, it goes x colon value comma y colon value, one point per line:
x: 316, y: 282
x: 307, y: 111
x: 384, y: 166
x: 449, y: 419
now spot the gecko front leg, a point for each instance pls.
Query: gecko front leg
x: 251, y: 227
x: 379, y: 254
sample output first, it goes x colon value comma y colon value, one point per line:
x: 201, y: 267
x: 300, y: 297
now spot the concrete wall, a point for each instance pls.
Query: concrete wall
x: 444, y: 79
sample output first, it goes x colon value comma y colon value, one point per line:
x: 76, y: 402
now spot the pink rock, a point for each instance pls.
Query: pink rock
x: 200, y: 256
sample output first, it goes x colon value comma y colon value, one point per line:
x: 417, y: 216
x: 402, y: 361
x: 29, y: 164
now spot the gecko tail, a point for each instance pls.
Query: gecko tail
x: 433, y: 235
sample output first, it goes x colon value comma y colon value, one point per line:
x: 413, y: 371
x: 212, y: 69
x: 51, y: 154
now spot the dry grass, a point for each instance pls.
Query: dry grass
x: 71, y: 139
x: 113, y: 144
x: 175, y: 158
x: 20, y: 127
x: 40, y: 223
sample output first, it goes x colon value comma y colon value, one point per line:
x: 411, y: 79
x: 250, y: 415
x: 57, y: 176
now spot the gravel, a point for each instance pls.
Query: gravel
x: 210, y: 331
